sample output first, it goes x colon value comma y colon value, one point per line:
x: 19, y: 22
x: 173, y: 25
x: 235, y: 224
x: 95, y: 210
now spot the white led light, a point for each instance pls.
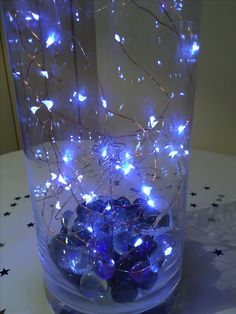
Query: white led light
x: 61, y: 179
x: 80, y: 177
x: 34, y: 109
x: 117, y: 38
x: 35, y: 16
x: 153, y: 121
x: 146, y: 189
x: 50, y: 40
x: 138, y: 242
x: 48, y: 104
x: 58, y: 205
x: 53, y: 176
x: 173, y: 153
x: 104, y: 103
x: 82, y: 98
x: 168, y: 251
x: 44, y: 73
x: 181, y: 129
x: 151, y: 203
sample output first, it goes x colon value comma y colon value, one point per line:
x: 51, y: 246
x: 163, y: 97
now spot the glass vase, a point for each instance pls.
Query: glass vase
x: 105, y: 100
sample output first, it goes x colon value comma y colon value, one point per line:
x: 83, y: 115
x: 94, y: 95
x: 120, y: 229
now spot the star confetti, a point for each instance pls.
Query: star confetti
x: 211, y: 219
x: 214, y: 205
x: 31, y: 224
x: 193, y: 193
x: 193, y: 205
x: 4, y: 272
x: 7, y: 214
x: 206, y: 187
x: 17, y: 198
x: 2, y: 244
x: 27, y: 196
x: 3, y: 311
x: 13, y: 204
x: 218, y: 252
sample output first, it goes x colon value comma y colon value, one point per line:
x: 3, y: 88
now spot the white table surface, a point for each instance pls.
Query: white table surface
x: 21, y: 291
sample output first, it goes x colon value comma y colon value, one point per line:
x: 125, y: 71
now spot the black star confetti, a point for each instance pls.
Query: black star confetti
x: 4, y: 272
x: 117, y: 182
x: 7, y: 214
x: 206, y: 187
x: 193, y: 205
x: 193, y: 193
x: 27, y: 196
x: 17, y: 198
x: 2, y: 244
x: 211, y: 219
x: 31, y: 224
x: 13, y: 204
x: 218, y: 252
x: 3, y: 311
x: 214, y: 205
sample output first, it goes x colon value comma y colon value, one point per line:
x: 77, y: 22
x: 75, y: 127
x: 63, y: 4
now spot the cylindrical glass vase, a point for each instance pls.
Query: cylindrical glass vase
x: 105, y: 99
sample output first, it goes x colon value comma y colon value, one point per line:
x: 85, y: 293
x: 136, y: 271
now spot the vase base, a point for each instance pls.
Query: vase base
x: 171, y: 305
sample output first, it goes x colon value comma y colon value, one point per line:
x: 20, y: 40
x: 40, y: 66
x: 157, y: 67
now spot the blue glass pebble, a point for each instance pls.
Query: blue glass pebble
x: 98, y: 205
x: 142, y: 274
x: 105, y: 267
x: 123, y: 202
x: 122, y: 242
x: 123, y: 288
x: 59, y: 243
x: 92, y: 286
x: 143, y: 246
x: 81, y: 211
x: 139, y: 201
x: 102, y: 243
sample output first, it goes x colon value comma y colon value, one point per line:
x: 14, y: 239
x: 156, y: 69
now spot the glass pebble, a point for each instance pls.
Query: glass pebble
x: 105, y: 267
x: 146, y: 246
x: 142, y: 274
x: 122, y: 242
x: 92, y: 286
x: 123, y: 288
x: 76, y: 261
x: 66, y: 217
x: 102, y: 243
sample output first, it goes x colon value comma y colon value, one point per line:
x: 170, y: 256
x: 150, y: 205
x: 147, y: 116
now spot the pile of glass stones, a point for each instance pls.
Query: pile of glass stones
x: 101, y: 248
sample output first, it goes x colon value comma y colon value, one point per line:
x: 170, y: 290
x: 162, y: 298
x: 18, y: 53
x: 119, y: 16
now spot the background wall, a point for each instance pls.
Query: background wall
x: 214, y: 125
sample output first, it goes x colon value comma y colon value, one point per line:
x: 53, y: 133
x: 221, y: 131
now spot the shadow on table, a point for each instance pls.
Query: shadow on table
x: 200, y: 277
